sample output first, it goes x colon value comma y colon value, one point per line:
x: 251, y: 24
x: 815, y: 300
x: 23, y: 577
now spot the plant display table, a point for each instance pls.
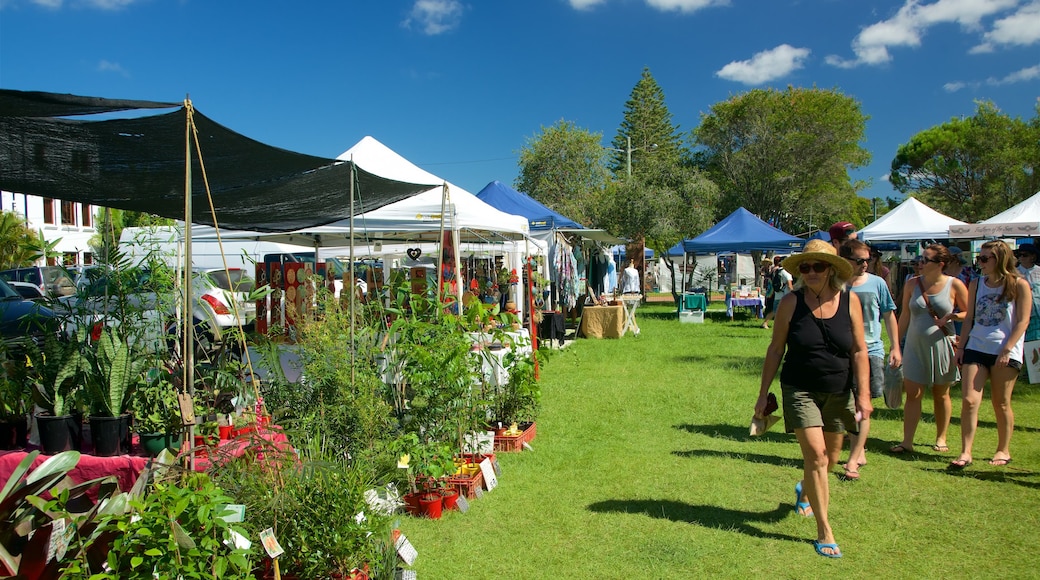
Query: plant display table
x: 756, y: 304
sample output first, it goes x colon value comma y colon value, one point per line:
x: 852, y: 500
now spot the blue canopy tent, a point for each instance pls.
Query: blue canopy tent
x: 742, y: 231
x: 505, y: 198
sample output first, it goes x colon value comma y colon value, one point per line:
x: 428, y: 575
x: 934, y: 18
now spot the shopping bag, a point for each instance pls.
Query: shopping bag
x: 893, y: 387
x: 760, y: 425
x: 1031, y: 354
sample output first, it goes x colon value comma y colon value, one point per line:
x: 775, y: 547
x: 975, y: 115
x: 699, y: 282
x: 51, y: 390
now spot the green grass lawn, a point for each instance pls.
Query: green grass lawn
x: 643, y: 468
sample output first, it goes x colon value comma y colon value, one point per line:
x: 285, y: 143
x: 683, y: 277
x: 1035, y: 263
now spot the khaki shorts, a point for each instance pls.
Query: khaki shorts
x: 834, y: 412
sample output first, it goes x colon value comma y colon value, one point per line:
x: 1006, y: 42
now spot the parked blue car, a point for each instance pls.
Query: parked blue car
x: 22, y: 320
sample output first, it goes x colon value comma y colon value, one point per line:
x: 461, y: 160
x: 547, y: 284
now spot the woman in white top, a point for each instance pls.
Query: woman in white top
x: 990, y: 346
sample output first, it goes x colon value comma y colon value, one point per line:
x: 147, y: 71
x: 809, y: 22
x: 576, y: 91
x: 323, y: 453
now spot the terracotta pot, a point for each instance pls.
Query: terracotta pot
x: 411, y: 503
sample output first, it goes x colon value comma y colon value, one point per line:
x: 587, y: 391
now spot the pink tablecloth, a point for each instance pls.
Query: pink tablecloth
x: 126, y: 468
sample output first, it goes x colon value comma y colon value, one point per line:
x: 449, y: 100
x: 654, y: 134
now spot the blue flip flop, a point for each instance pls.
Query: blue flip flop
x: 799, y: 504
x: 820, y: 547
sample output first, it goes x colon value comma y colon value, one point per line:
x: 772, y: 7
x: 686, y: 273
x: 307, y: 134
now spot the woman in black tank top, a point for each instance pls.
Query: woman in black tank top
x: 820, y: 329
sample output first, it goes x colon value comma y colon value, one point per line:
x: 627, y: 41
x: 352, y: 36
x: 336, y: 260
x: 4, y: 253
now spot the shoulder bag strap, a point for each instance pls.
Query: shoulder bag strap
x: 928, y: 305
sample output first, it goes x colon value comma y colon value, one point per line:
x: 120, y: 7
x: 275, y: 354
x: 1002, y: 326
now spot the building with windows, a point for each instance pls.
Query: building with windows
x: 70, y: 222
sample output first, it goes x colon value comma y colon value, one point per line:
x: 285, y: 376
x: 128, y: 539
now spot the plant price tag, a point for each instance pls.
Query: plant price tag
x: 234, y: 513
x: 479, y: 492
x: 498, y: 468
x: 486, y: 469
x: 403, y: 574
x: 462, y: 503
x: 59, y: 539
x: 405, y: 550
x: 274, y: 549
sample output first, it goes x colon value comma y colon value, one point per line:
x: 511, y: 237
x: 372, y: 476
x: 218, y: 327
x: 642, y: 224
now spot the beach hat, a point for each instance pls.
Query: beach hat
x: 819, y: 251
x: 841, y: 231
x: 958, y: 254
x: 1027, y: 249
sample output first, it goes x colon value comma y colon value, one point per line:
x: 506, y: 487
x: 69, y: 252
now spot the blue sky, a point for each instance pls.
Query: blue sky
x: 458, y: 86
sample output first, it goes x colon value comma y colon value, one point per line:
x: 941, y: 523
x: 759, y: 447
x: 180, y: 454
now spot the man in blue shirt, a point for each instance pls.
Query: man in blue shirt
x: 878, y: 306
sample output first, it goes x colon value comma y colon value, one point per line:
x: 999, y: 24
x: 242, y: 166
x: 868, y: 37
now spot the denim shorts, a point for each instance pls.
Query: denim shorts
x: 986, y: 360
x: 877, y: 376
x: 834, y: 412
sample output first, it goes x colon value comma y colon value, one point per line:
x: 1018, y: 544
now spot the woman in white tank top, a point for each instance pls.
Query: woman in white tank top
x: 990, y: 347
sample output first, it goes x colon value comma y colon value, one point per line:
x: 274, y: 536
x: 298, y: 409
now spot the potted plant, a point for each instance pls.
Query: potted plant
x: 56, y: 379
x: 156, y: 412
x: 15, y: 397
x: 114, y: 375
x: 515, y: 405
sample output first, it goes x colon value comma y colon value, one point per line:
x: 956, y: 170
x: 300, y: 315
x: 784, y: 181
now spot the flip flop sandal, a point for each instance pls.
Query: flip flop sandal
x: 900, y: 449
x: 801, y: 507
x: 941, y: 448
x: 959, y: 464
x: 820, y: 547
x: 851, y: 474
x: 1000, y: 462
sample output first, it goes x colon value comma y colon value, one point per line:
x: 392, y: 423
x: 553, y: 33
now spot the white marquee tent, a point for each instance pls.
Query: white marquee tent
x: 910, y: 220
x: 1019, y: 221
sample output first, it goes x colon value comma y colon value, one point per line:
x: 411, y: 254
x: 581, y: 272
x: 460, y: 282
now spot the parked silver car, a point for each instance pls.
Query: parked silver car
x: 221, y: 301
x: 54, y: 281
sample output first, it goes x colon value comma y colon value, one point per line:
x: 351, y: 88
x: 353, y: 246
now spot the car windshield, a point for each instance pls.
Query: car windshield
x: 7, y: 292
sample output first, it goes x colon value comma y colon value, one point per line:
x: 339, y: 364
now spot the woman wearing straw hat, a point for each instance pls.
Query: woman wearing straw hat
x: 818, y: 333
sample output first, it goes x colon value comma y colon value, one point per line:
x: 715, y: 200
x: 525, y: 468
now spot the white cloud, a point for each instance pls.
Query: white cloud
x: 99, y: 4
x: 765, y: 66
x: 585, y: 4
x: 913, y: 19
x: 688, y: 6
x: 954, y: 86
x: 109, y: 4
x: 48, y: 3
x: 435, y: 17
x: 1021, y: 28
x: 112, y: 67
x: 1023, y: 75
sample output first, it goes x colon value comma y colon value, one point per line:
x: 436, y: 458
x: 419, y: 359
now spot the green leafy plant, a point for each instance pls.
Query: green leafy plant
x: 15, y: 391
x: 114, y: 374
x: 520, y: 398
x: 57, y: 370
x: 155, y: 406
x: 177, y: 531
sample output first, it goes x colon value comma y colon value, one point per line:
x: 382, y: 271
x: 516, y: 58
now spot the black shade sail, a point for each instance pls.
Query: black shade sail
x: 138, y: 164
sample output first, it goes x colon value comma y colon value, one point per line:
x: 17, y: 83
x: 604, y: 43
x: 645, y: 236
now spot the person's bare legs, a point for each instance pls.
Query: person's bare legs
x: 858, y: 446
x: 943, y: 410
x: 973, y: 380
x: 1002, y: 382
x: 820, y: 452
x: 911, y: 412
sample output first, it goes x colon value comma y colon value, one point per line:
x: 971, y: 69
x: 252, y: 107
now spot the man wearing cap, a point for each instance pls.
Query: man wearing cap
x: 878, y: 306
x: 1027, y: 256
x: 840, y: 232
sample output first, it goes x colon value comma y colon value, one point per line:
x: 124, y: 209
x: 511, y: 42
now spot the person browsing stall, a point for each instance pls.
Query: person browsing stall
x: 931, y: 304
x: 1030, y: 271
x: 825, y: 381
x: 878, y: 306
x: 840, y: 232
x: 991, y: 345
x: 782, y: 286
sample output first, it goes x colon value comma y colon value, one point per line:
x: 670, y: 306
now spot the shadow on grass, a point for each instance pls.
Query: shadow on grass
x: 707, y: 516
x: 736, y: 432
x: 897, y: 415
x: 747, y: 457
x: 744, y: 364
x: 1005, y: 475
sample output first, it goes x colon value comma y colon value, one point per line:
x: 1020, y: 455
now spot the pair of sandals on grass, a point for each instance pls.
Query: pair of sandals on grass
x: 956, y: 464
x: 802, y: 508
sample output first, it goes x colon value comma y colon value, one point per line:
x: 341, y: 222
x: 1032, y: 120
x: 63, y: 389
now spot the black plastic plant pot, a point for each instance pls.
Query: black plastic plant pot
x: 14, y: 433
x: 110, y: 435
x: 61, y: 433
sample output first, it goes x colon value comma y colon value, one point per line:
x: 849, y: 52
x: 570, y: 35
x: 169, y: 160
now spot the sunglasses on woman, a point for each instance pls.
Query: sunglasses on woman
x: 858, y: 261
x: 983, y: 259
x: 818, y: 267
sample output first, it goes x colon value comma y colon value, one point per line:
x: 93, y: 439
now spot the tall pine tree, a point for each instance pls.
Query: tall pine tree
x: 648, y: 123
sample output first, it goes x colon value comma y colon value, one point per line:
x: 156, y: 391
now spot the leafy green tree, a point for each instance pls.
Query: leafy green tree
x: 661, y: 204
x: 647, y: 128
x: 971, y: 168
x: 19, y: 245
x: 784, y: 155
x: 563, y: 168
